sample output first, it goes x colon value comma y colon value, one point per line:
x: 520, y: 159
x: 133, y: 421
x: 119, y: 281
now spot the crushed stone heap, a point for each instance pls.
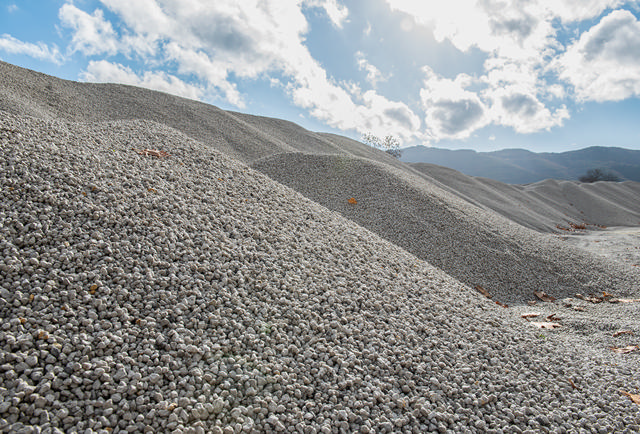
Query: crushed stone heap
x: 190, y: 293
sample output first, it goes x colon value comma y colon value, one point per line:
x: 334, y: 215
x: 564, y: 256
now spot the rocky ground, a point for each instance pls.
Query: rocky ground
x: 188, y: 292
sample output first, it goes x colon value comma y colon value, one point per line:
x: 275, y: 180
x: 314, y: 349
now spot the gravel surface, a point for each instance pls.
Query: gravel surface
x: 403, y: 205
x: 193, y: 294
x: 476, y: 246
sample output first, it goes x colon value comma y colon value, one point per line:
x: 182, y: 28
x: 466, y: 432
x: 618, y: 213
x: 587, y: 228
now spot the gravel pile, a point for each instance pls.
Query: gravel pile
x: 475, y: 246
x: 403, y: 205
x: 191, y: 293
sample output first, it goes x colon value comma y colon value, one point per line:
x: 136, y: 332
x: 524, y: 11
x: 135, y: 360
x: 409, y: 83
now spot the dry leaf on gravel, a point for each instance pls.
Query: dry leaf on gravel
x: 544, y: 296
x: 622, y: 332
x: 352, y: 201
x: 625, y: 350
x: 530, y: 315
x: 628, y: 300
x: 545, y: 324
x: 553, y: 317
x: 499, y: 303
x: 483, y: 291
x: 591, y: 298
x: 153, y: 152
x: 632, y: 397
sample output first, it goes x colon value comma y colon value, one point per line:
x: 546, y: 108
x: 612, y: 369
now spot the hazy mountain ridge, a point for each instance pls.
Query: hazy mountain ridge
x: 520, y: 166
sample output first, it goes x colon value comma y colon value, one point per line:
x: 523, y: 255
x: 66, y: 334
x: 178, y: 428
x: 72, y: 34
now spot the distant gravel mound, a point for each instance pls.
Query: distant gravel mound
x: 546, y: 205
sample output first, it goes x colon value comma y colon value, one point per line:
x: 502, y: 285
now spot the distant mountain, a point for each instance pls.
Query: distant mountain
x: 519, y: 166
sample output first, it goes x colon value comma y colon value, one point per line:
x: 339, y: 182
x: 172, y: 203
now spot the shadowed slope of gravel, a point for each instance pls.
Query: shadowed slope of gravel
x: 472, y: 245
x: 192, y: 293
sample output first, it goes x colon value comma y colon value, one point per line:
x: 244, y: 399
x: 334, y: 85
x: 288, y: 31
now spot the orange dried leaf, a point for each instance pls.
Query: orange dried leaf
x: 352, y: 201
x: 622, y: 332
x: 545, y: 324
x: 502, y: 304
x: 31, y: 297
x: 625, y: 350
x: 544, y: 296
x: 632, y: 397
x: 483, y: 291
x: 530, y: 315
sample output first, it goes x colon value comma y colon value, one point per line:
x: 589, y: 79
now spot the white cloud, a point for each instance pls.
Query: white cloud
x: 451, y: 110
x: 604, y: 64
x: 373, y: 74
x: 524, y: 112
x: 578, y: 10
x: 514, y: 92
x: 512, y: 28
x: 226, y: 42
x: 371, y: 112
x: 520, y: 39
x: 12, y: 8
x: 38, y: 51
x: 91, y: 33
x: 106, y: 72
x: 337, y: 13
x: 367, y: 30
x: 506, y: 96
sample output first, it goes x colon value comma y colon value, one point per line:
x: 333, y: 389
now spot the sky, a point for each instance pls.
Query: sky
x: 544, y: 75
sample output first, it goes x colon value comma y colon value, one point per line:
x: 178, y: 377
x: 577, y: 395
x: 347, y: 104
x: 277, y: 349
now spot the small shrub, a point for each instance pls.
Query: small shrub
x: 594, y: 175
x: 389, y: 144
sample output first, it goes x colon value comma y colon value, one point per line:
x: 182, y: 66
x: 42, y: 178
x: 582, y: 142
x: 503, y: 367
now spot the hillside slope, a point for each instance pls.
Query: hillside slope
x: 191, y: 293
x: 397, y: 202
